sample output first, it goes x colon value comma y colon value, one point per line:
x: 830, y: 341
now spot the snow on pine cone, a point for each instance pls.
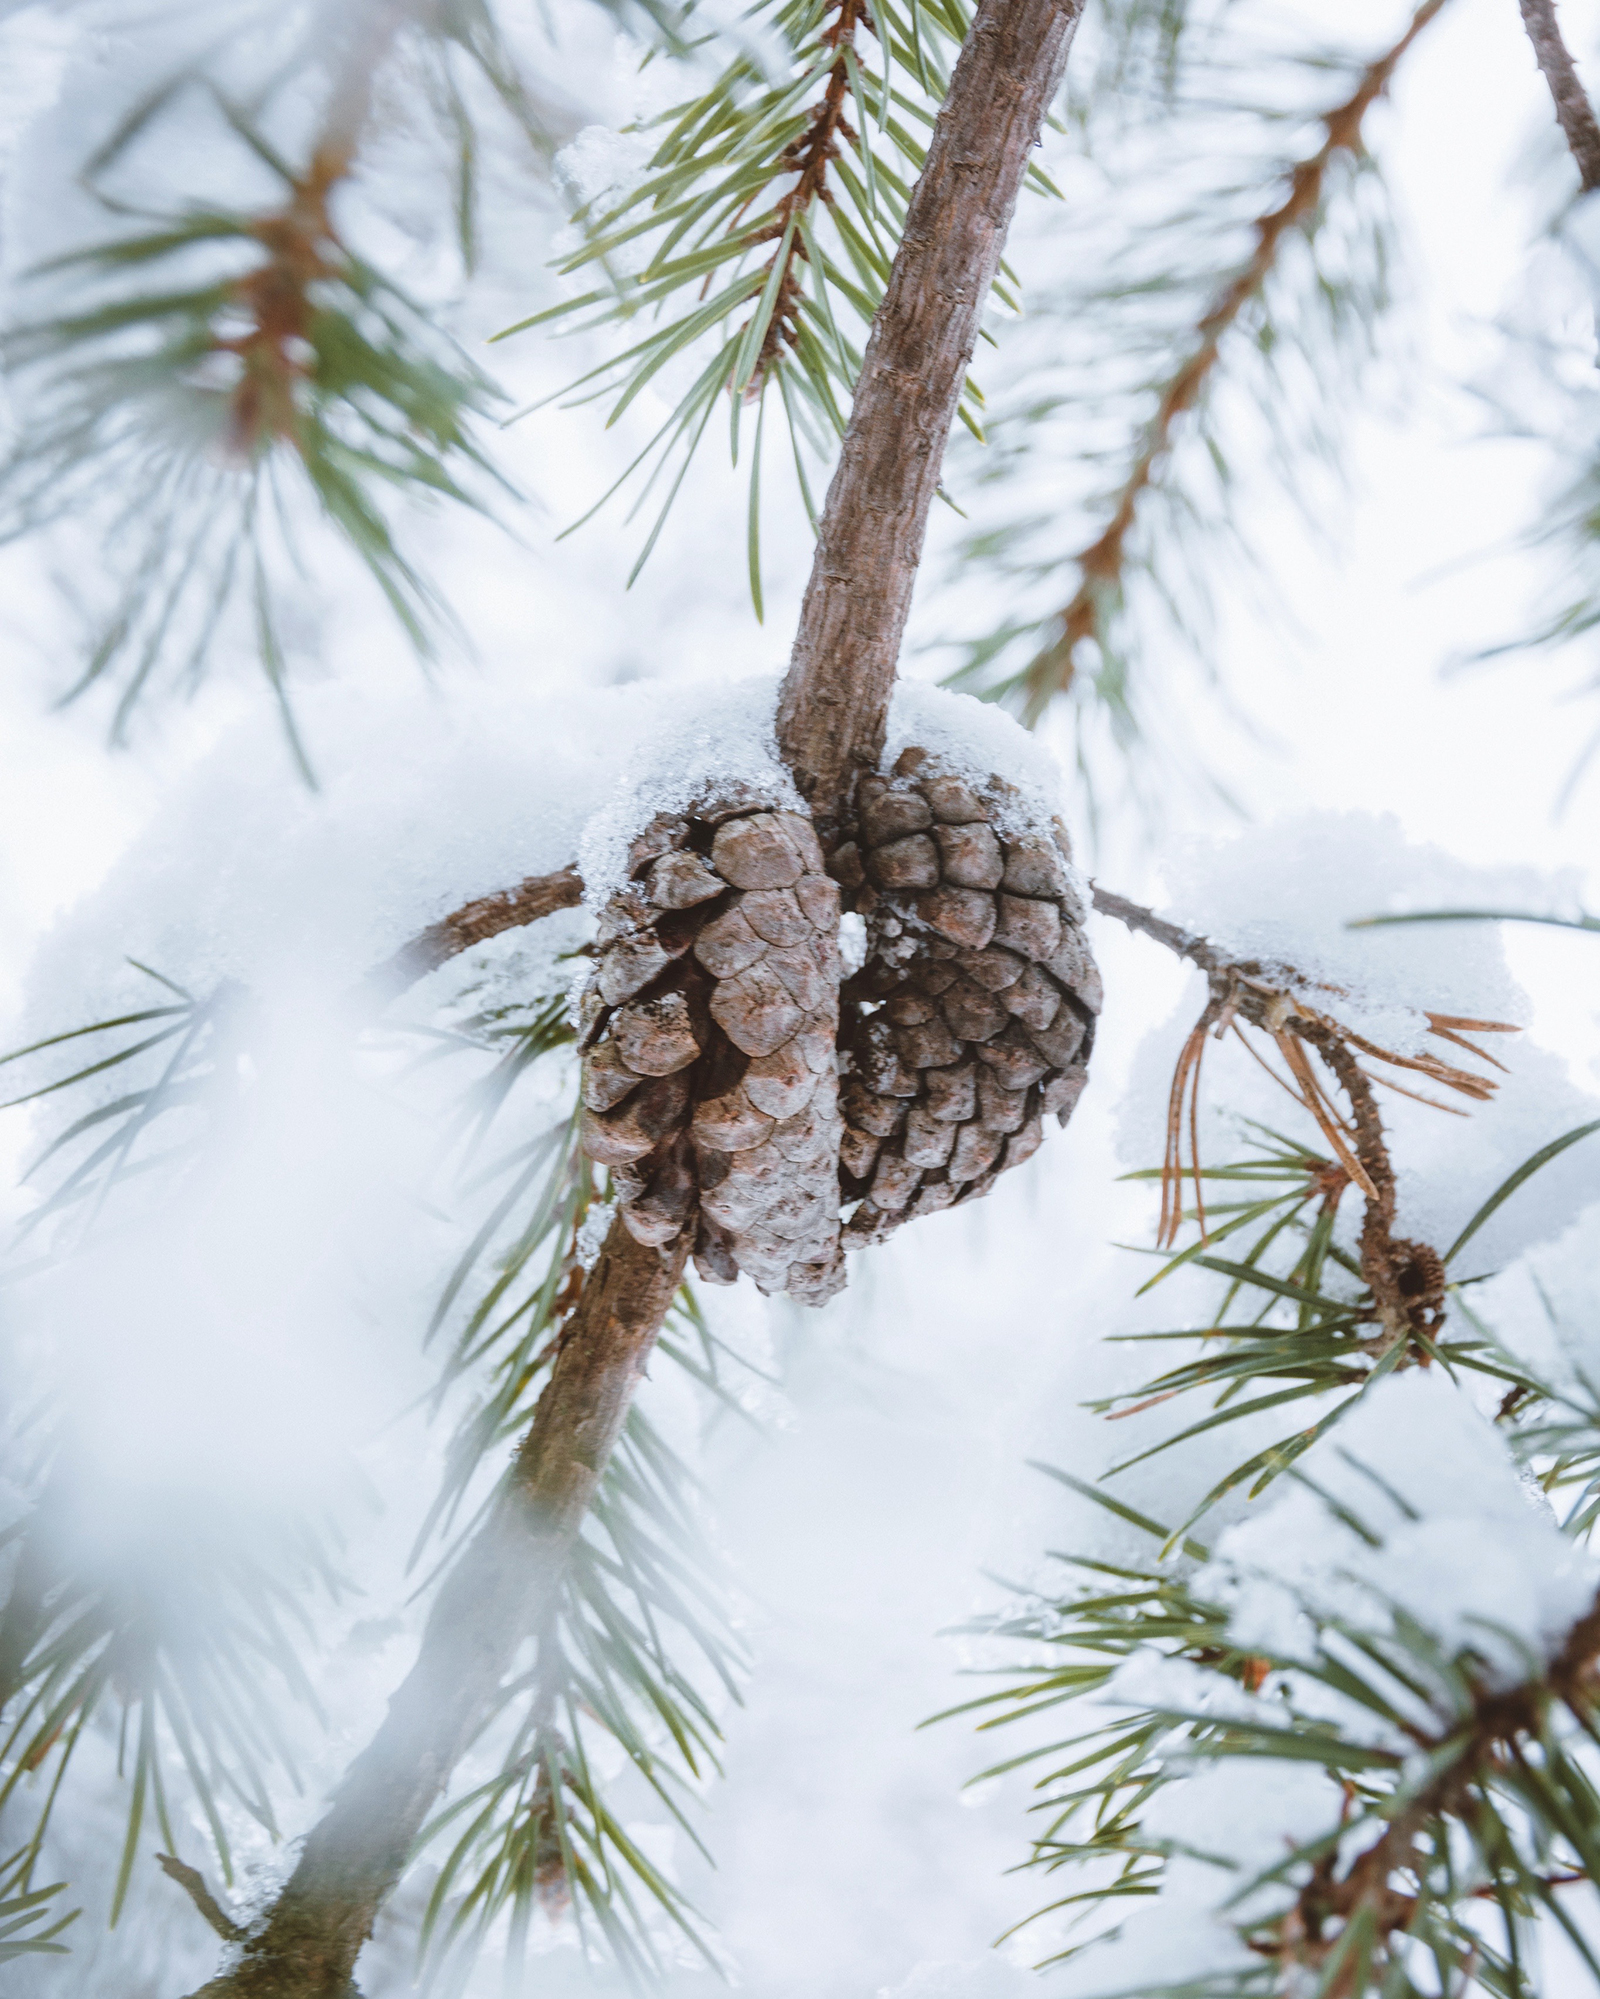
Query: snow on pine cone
x: 973, y: 1015
x: 710, y: 1086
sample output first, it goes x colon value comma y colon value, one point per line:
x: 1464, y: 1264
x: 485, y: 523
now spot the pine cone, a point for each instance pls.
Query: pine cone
x: 709, y: 1081
x: 974, y: 1013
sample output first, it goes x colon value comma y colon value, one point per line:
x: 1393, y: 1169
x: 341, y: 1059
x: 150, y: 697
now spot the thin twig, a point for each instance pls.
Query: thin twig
x: 193, y: 1884
x: 1100, y: 566
x: 1406, y: 1279
x: 474, y: 923
x: 1574, y: 113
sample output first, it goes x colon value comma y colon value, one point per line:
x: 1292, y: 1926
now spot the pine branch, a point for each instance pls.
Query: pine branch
x: 747, y: 290
x: 1574, y: 113
x: 227, y: 382
x: 1453, y: 1780
x: 23, y: 1909
x: 197, y: 1650
x: 503, y: 1589
x: 1103, y: 564
x: 809, y: 155
x: 506, y: 1587
x: 836, y: 693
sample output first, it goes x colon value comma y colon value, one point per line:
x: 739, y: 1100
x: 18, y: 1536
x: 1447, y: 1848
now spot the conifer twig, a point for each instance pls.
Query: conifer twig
x: 474, y: 923
x: 193, y: 1884
x: 1102, y: 563
x: 1574, y: 113
x: 808, y: 156
x: 1406, y: 1278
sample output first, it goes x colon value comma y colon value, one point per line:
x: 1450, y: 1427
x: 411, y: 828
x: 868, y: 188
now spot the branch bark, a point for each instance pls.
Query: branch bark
x: 831, y: 724
x: 1574, y: 113
x: 493, y: 1598
x: 835, y: 699
x: 473, y: 923
x: 193, y: 1884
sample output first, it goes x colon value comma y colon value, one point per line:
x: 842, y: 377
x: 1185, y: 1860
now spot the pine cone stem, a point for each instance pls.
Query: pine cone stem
x: 835, y: 700
x: 473, y: 923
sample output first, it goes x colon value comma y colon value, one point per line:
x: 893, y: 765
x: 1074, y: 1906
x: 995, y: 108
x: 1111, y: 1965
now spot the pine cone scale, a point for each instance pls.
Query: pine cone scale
x: 718, y: 974
x: 737, y: 1088
x: 972, y: 1017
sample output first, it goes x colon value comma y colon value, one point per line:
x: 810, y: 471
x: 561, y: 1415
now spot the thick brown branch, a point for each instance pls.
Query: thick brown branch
x: 474, y: 923
x: 1574, y: 113
x: 835, y: 700
x: 498, y: 1593
x: 1100, y: 565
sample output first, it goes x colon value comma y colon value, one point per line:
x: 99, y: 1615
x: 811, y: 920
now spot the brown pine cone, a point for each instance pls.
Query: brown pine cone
x: 709, y: 1081
x: 974, y: 1013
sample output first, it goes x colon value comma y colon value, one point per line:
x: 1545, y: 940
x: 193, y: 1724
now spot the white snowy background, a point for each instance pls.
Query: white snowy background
x: 244, y: 1350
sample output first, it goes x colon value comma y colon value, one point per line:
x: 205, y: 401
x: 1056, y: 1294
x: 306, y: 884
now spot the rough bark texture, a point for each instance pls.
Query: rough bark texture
x: 836, y: 695
x: 1574, y: 113
x: 492, y: 1600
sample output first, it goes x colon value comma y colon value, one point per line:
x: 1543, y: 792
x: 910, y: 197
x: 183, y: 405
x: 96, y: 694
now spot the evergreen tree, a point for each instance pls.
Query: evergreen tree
x: 784, y: 970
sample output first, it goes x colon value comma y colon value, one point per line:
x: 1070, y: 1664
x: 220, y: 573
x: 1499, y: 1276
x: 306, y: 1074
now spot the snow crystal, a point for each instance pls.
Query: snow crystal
x: 979, y: 740
x: 592, y: 1231
x: 600, y: 161
x: 852, y: 941
x: 707, y: 738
